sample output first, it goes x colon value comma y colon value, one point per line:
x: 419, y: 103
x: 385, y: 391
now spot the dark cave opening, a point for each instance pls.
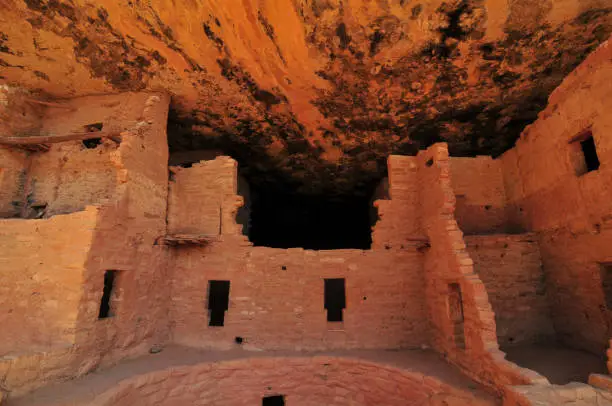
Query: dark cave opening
x: 284, y: 220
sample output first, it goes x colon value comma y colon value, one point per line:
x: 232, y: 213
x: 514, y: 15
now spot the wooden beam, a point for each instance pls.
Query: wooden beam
x: 50, y: 139
x: 49, y: 104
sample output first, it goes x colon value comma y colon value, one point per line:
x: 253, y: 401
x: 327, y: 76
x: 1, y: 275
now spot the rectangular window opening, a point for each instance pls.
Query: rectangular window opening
x: 455, y: 310
x: 106, y: 307
x: 276, y: 400
x: 218, y: 302
x: 606, y: 283
x: 585, y: 154
x: 335, y: 299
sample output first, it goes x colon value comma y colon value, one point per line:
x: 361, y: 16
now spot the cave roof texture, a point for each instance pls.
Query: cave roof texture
x: 311, y: 94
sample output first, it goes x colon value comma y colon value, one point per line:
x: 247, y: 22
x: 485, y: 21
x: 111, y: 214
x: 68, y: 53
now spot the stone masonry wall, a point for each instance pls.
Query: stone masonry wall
x: 304, y: 381
x: 125, y: 238
x: 276, y: 298
x: 69, y: 176
x: 41, y: 278
x: 398, y: 217
x: 204, y: 198
x: 463, y: 323
x: 549, y: 192
x: 511, y: 268
x: 479, y: 192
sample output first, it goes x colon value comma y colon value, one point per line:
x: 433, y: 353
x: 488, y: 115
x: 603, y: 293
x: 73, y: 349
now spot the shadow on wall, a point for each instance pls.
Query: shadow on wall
x: 280, y: 220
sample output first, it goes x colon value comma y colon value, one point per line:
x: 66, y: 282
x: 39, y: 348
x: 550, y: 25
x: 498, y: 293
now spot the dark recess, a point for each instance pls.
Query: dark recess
x: 590, y: 154
x: 284, y: 220
x: 218, y: 302
x: 276, y: 400
x: 335, y: 299
x: 105, y: 305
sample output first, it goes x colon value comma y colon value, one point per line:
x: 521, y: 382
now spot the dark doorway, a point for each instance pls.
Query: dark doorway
x: 335, y: 299
x: 277, y: 400
x: 312, y: 222
x: 218, y: 302
x: 107, y: 293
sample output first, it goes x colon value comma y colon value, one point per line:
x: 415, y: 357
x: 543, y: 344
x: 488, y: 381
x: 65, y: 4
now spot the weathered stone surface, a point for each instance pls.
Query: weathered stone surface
x: 300, y: 91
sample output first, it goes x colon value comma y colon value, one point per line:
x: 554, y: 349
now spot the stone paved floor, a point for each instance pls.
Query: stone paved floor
x: 559, y: 364
x: 87, y: 387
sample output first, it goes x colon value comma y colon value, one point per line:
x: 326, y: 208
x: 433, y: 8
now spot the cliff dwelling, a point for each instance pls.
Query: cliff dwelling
x: 305, y: 202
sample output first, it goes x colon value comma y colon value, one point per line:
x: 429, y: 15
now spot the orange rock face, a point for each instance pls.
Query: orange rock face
x: 321, y: 90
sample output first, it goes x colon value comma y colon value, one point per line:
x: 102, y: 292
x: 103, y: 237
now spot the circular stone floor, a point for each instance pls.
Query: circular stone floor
x: 182, y: 376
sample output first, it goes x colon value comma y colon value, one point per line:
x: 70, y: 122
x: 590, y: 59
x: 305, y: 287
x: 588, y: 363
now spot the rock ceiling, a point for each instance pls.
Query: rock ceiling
x: 311, y: 93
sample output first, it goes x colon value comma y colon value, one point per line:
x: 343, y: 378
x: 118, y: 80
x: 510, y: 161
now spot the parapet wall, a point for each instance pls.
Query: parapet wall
x: 40, y: 297
x: 478, y: 185
x: 277, y: 298
x: 204, y: 199
x: 398, y: 216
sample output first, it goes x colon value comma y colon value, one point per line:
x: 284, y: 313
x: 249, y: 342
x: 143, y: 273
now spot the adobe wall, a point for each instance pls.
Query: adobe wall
x: 510, y: 266
x: 480, y: 196
x: 463, y: 322
x: 572, y: 263
x: 69, y: 176
x: 572, y: 212
x: 399, y: 225
x: 41, y: 278
x: 204, y: 199
x: 276, y: 298
x: 312, y: 381
x: 123, y: 237
x: 276, y: 295
x: 540, y: 172
x: 126, y: 240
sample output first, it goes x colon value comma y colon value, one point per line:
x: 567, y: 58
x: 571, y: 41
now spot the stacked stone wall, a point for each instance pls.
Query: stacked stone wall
x: 276, y: 295
x: 41, y: 280
x: 480, y: 206
x: 511, y: 268
x: 549, y: 191
x: 463, y: 323
x: 124, y: 237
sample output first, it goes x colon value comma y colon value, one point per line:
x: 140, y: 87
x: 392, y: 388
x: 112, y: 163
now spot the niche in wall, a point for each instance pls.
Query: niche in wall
x: 218, y: 302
